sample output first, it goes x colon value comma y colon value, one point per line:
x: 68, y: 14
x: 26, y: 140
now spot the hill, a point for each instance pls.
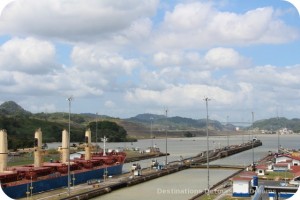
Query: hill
x: 174, y: 123
x: 274, y: 124
x: 21, y: 125
x: 13, y: 109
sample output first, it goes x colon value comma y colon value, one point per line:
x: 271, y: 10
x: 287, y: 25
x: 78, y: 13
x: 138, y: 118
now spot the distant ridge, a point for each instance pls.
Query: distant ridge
x: 12, y: 108
x: 175, y: 123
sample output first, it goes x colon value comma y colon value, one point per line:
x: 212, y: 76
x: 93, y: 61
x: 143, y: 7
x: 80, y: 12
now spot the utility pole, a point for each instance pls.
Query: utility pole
x: 253, y: 138
x: 96, y: 132
x: 166, y: 139
x: 69, y: 176
x: 151, y: 135
x: 227, y: 131
x: 207, y: 145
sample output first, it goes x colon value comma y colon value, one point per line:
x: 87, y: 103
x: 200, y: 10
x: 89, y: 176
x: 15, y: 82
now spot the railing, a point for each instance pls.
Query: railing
x: 260, y: 194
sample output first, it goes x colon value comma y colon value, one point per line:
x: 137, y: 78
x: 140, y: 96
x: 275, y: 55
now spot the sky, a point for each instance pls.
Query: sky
x: 127, y: 57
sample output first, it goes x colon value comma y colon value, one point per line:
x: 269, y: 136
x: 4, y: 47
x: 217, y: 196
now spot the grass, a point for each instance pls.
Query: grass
x: 279, y: 175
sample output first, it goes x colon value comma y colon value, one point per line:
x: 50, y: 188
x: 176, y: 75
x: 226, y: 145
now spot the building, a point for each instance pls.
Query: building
x: 241, y: 186
x: 261, y: 170
x: 281, y: 167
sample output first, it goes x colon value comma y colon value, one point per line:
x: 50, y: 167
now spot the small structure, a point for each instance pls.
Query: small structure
x: 282, y: 158
x: 136, y: 169
x: 281, y: 167
x: 296, y: 160
x: 261, y: 170
x: 241, y: 186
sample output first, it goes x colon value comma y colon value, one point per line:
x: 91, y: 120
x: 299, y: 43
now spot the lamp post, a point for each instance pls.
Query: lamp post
x: 69, y: 177
x: 207, y: 144
x: 151, y: 135
x: 278, y: 140
x: 96, y: 132
x: 166, y: 139
x: 252, y: 138
x: 227, y: 131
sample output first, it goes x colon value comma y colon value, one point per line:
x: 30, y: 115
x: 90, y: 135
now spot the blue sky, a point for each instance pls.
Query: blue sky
x: 126, y: 57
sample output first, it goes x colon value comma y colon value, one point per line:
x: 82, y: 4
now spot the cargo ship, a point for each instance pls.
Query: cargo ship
x: 26, y: 180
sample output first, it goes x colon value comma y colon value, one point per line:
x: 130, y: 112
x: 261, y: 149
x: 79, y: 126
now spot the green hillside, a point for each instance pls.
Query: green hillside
x: 274, y: 124
x: 21, y: 125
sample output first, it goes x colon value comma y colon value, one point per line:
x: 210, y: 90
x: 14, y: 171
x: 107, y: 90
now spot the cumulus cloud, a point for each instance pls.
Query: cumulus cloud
x: 27, y: 55
x: 271, y: 76
x: 225, y: 58
x: 189, y: 95
x: 73, y: 19
x: 137, y: 53
x: 200, y: 25
x: 92, y: 58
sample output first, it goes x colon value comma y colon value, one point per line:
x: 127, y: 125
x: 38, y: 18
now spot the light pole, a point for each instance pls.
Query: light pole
x: 96, y: 133
x: 278, y: 140
x: 166, y: 139
x: 69, y: 177
x: 151, y: 135
x: 207, y: 144
x: 227, y: 131
x: 252, y: 138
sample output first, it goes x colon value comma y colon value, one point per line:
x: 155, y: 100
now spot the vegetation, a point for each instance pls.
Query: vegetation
x: 21, y: 125
x: 279, y: 175
x: 274, y: 124
x: 189, y: 134
x: 111, y: 130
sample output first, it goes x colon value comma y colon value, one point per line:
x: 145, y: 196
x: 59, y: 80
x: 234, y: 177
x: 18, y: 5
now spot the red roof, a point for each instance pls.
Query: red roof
x: 247, y: 174
x: 289, y: 156
x: 261, y: 167
x: 238, y: 178
x: 283, y: 155
x: 296, y: 174
x: 295, y: 158
x: 295, y: 169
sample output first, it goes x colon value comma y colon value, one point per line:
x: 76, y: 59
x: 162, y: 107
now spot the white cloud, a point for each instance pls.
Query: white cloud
x: 180, y: 96
x: 200, y: 25
x: 139, y: 56
x: 93, y: 58
x: 225, y: 58
x: 27, y: 55
x: 74, y: 19
x: 271, y: 76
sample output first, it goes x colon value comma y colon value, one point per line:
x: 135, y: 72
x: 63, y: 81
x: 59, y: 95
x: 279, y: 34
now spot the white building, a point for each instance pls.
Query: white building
x: 241, y: 186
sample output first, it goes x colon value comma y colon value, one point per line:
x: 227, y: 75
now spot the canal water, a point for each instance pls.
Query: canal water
x: 188, y: 183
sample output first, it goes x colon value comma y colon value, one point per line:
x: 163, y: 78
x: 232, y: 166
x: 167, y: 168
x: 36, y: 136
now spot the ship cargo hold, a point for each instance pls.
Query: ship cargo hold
x: 20, y: 181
